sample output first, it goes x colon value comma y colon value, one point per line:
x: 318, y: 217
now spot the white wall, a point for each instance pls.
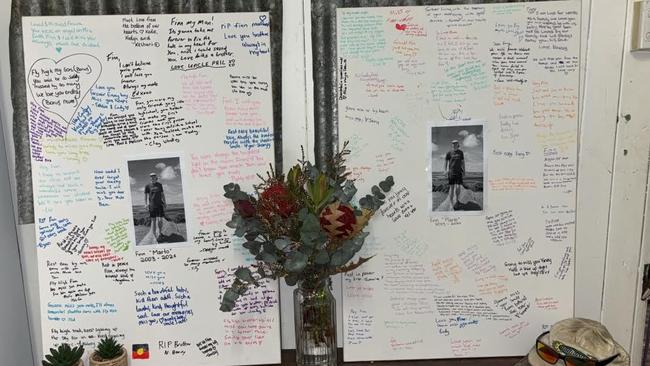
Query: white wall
x: 602, y: 63
x: 623, y: 313
x: 604, y: 26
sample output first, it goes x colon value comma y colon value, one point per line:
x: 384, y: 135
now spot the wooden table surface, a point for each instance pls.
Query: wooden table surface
x: 289, y: 358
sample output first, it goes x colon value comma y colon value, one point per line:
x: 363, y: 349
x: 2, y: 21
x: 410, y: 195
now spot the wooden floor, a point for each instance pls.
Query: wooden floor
x: 289, y: 358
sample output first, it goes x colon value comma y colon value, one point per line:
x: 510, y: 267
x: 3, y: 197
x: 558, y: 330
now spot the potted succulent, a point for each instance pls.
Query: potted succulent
x: 305, y: 227
x: 64, y: 355
x: 109, y: 353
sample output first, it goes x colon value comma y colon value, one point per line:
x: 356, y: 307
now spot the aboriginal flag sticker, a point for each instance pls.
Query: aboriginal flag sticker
x: 140, y: 352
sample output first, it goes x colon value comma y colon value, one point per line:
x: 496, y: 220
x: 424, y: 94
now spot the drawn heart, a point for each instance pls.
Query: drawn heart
x: 400, y: 27
x: 58, y: 49
x: 262, y: 18
x: 60, y: 86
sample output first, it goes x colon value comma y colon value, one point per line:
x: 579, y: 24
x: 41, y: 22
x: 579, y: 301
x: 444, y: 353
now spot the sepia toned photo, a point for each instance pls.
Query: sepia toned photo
x: 157, y: 201
x: 457, y: 165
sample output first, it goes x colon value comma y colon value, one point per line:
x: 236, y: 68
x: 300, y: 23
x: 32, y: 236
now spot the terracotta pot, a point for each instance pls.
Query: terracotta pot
x: 120, y: 361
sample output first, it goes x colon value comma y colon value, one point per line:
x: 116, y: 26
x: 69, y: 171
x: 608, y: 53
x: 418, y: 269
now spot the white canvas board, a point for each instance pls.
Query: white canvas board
x: 112, y: 101
x: 484, y: 271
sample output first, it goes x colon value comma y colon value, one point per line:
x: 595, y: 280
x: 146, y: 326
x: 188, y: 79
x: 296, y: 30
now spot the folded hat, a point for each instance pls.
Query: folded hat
x: 578, y: 337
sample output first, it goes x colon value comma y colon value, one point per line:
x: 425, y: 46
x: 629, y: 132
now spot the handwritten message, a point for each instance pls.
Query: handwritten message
x: 99, y: 253
x: 75, y: 240
x: 208, y: 347
x: 474, y: 261
x: 362, y: 36
x: 166, y: 306
x: 199, y: 93
x: 120, y: 129
x: 120, y: 272
x: 86, y: 123
x: 71, y: 312
x: 87, y: 336
x: 141, y: 31
x: 49, y: 228
x: 58, y: 34
x: 76, y: 149
x: 502, y: 227
x: 250, y: 138
x: 565, y: 264
x: 359, y: 326
x: 117, y: 236
x: 110, y: 99
x: 40, y: 125
x: 515, y: 304
x: 192, y: 44
x: 467, y: 306
x: 59, y: 86
x: 398, y: 205
x: 247, y: 331
x: 161, y: 121
x: 108, y: 186
x: 247, y: 84
x: 529, y: 267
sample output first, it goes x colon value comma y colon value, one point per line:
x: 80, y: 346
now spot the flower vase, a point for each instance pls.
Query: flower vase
x: 315, y: 322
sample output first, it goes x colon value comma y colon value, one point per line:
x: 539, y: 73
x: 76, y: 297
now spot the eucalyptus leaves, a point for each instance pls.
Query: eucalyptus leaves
x: 302, y: 227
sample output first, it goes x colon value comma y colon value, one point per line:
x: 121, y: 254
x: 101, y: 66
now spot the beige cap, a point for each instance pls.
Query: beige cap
x: 587, y: 337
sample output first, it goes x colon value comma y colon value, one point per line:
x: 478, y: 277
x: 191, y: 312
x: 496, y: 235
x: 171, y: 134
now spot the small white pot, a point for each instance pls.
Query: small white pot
x: 120, y: 361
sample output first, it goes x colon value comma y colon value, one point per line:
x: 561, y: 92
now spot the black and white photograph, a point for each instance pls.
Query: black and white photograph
x: 457, y: 165
x: 157, y: 201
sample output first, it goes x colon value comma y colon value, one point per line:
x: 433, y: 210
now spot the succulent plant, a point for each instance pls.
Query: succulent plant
x: 108, y: 349
x: 64, y: 355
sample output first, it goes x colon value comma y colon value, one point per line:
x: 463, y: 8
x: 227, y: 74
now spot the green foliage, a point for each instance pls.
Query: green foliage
x: 296, y: 262
x: 281, y: 225
x: 245, y: 274
x: 282, y: 243
x: 347, y: 251
x: 64, y: 355
x: 229, y: 299
x: 345, y: 193
x: 234, y: 193
x: 375, y: 200
x: 311, y: 235
x: 319, y: 192
x: 109, y: 349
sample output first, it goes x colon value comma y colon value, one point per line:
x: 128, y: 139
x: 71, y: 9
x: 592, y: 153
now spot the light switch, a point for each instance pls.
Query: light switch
x: 641, y: 26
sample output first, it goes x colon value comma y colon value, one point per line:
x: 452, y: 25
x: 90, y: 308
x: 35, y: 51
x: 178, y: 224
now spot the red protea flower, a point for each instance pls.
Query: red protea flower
x: 276, y: 198
x: 338, y: 220
x: 245, y: 208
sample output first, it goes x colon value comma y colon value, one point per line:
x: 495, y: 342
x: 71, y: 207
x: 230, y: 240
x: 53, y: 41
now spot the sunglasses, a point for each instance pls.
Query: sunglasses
x: 550, y: 355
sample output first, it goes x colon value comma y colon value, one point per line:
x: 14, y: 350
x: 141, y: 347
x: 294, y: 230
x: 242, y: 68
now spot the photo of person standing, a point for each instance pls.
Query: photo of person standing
x: 154, y: 202
x: 455, y: 169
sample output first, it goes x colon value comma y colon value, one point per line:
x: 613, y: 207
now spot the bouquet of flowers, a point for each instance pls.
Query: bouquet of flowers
x: 303, y: 227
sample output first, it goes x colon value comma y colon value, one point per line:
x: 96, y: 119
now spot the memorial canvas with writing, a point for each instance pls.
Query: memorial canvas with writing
x: 136, y: 123
x: 480, y: 272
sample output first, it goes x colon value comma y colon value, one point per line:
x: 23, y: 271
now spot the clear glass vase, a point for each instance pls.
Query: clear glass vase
x: 314, y: 309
